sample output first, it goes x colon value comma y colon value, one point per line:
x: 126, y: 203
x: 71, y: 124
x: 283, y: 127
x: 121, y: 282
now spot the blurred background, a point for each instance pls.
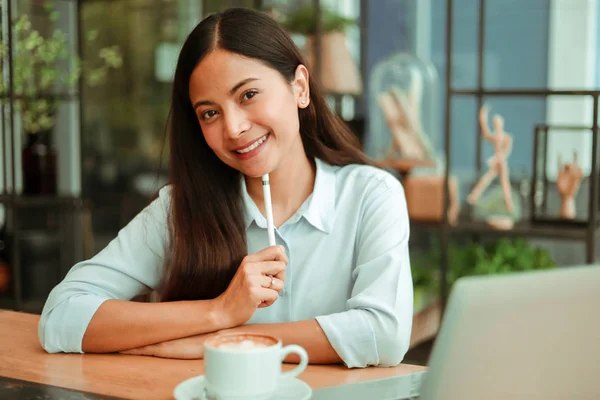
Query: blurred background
x: 85, y: 95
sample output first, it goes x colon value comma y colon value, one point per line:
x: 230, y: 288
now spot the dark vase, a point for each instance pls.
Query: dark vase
x: 5, y: 269
x: 39, y: 164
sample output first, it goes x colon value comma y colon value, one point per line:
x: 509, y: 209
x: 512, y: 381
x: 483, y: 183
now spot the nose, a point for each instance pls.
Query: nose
x: 236, y: 122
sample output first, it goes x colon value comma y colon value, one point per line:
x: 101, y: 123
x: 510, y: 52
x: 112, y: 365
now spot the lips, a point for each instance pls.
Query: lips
x: 253, y: 145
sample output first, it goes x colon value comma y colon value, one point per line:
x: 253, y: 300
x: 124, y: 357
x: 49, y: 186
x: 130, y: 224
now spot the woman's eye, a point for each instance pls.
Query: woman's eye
x: 249, y: 94
x: 208, y: 114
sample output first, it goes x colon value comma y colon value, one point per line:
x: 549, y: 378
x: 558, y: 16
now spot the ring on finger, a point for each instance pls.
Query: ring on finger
x: 272, y: 281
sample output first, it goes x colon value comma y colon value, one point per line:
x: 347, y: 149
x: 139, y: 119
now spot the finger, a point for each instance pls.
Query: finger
x: 273, y: 268
x: 272, y: 283
x: 268, y: 297
x: 266, y: 303
x: 271, y: 253
x: 280, y: 275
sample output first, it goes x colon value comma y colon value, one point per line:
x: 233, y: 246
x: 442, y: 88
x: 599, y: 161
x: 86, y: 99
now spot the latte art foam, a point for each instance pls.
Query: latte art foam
x: 242, y: 342
x: 244, y: 345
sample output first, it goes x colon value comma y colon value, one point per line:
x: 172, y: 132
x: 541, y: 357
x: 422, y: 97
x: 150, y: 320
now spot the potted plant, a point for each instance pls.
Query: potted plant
x: 303, y: 21
x: 45, y: 70
x: 500, y: 257
x: 338, y: 73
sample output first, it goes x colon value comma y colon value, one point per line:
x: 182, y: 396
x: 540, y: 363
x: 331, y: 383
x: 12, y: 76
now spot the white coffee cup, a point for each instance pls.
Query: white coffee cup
x: 246, y: 365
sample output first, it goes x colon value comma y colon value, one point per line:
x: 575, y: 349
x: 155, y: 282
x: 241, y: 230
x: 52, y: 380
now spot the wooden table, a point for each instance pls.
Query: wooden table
x: 125, y: 376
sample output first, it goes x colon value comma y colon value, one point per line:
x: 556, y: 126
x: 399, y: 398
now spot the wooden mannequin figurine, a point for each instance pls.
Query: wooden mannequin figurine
x: 400, y: 120
x: 567, y: 183
x: 497, y: 163
x: 403, y: 116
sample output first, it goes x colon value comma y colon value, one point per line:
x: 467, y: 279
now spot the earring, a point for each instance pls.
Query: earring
x: 303, y: 102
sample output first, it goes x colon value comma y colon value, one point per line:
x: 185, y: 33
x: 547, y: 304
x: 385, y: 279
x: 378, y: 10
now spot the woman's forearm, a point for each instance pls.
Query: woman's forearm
x: 307, y: 334
x: 120, y: 325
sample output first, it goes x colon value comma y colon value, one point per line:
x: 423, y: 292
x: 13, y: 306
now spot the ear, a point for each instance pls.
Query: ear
x: 301, y: 86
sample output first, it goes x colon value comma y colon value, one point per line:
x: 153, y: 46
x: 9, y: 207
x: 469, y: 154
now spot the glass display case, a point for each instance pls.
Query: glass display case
x: 401, y: 108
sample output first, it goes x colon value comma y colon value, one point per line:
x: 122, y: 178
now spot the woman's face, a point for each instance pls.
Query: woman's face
x: 247, y: 111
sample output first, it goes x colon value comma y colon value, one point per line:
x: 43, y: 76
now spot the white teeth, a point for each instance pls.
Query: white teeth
x: 253, y: 145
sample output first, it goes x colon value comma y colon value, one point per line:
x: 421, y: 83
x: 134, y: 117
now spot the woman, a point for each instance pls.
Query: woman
x: 338, y: 281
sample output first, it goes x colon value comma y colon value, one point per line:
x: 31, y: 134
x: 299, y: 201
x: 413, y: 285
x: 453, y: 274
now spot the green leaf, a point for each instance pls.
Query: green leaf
x: 43, y: 63
x: 501, y: 257
x: 22, y: 25
x: 49, y: 6
x: 303, y: 21
x: 92, y: 35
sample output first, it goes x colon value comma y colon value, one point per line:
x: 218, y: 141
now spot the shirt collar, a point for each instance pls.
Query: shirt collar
x: 252, y: 212
x: 318, y: 209
x: 320, y: 205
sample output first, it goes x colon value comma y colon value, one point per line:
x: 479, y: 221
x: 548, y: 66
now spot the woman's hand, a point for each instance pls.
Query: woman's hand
x: 257, y: 283
x: 188, y: 348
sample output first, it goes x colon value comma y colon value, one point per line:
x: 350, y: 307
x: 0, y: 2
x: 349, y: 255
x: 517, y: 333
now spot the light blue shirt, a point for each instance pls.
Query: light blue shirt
x: 348, y: 267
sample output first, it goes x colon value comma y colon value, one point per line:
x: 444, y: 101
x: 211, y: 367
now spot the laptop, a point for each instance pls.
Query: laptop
x: 532, y: 335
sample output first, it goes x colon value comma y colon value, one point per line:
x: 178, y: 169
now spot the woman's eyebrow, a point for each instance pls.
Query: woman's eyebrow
x: 231, y: 92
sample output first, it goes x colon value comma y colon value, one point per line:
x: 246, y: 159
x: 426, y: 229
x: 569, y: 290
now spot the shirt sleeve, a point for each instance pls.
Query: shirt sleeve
x: 376, y: 328
x: 130, y: 265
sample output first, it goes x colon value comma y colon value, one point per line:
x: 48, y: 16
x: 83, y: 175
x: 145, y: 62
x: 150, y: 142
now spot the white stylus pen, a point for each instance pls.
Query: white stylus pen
x: 268, y: 209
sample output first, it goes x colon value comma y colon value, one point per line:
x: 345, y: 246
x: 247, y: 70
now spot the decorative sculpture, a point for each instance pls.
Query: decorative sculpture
x: 567, y: 183
x: 402, y: 113
x: 497, y: 164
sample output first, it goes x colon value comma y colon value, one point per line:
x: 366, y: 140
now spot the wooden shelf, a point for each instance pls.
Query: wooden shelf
x: 405, y: 166
x: 524, y: 229
x: 40, y: 201
x: 524, y: 92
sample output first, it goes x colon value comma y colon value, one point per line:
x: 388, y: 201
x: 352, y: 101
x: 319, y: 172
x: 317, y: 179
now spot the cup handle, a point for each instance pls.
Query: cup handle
x: 294, y: 348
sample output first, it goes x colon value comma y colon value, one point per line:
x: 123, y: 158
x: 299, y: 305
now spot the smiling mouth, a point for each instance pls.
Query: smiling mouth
x: 253, y: 145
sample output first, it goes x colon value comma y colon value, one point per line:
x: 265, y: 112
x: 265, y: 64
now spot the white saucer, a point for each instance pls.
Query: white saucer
x: 287, y: 389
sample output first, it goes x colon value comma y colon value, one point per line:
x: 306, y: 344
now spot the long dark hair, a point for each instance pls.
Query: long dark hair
x: 208, y: 237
